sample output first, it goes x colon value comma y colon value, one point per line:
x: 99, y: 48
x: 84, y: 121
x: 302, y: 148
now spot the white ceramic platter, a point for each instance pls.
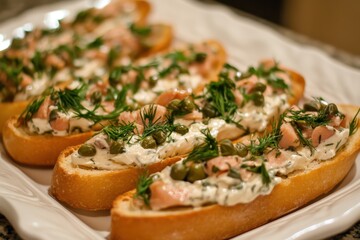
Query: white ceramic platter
x: 24, y: 197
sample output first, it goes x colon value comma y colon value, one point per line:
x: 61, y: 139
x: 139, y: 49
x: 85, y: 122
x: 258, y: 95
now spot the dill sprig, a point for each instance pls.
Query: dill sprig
x: 70, y: 98
x: 220, y: 98
x: 303, y: 140
x: 204, y: 151
x: 152, y: 125
x: 143, y: 188
x: 141, y: 31
x: 121, y: 131
x: 269, y: 74
x: 119, y: 104
x: 31, y: 109
x: 259, y: 170
x: 353, y: 127
x: 269, y: 140
x: 313, y: 120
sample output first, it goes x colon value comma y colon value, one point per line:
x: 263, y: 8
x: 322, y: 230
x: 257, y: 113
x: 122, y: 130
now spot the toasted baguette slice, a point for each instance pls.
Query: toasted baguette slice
x: 160, y: 39
x: 95, y: 189
x: 219, y: 222
x: 9, y: 109
x: 37, y: 150
x: 143, y: 7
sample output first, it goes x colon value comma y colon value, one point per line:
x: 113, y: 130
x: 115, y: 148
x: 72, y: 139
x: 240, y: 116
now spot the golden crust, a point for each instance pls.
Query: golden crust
x: 144, y: 9
x: 160, y: 39
x: 95, y: 189
x: 218, y: 222
x: 9, y: 109
x: 37, y: 150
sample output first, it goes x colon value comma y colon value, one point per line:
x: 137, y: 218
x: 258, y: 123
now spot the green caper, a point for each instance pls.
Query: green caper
x: 208, y: 111
x: 87, y: 150
x: 311, y: 106
x: 182, y: 129
x: 196, y: 172
x: 259, y: 87
x: 174, y: 104
x: 200, y: 57
x: 331, y: 109
x: 258, y: 99
x: 227, y: 148
x: 242, y: 150
x: 95, y: 97
x: 53, y: 115
x: 117, y: 147
x: 188, y: 105
x: 153, y: 80
x: 160, y: 137
x: 148, y: 142
x: 178, y: 171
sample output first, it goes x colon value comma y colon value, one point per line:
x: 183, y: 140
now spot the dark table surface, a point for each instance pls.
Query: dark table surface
x: 12, y: 8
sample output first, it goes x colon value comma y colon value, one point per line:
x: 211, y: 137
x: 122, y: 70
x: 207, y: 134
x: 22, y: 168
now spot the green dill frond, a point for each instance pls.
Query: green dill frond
x: 70, y: 98
x: 220, y: 97
x: 269, y: 140
x: 269, y: 75
x: 121, y: 131
x: 32, y: 108
x: 353, y: 127
x: 204, y: 151
x: 152, y: 125
x: 141, y: 31
x: 313, y: 120
x: 143, y: 188
x: 259, y: 170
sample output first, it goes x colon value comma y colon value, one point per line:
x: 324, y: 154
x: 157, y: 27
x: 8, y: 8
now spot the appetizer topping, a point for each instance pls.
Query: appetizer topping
x: 246, y: 101
x: 227, y: 174
x: 61, y: 112
x: 94, y: 41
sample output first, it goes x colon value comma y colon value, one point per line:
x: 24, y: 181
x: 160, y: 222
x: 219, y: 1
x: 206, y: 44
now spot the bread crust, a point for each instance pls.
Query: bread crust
x: 218, y: 222
x: 69, y: 182
x: 92, y: 189
x: 9, y: 109
x: 144, y: 9
x: 37, y: 150
x: 164, y: 37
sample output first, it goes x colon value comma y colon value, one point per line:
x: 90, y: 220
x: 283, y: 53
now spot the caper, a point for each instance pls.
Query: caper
x: 148, y: 142
x: 96, y: 97
x: 331, y: 109
x: 174, y: 104
x: 53, y: 115
x: 259, y: 87
x: 208, y: 111
x: 178, y: 171
x: 153, y: 80
x: 227, y: 148
x: 87, y: 150
x: 182, y: 129
x: 200, y: 57
x: 311, y: 106
x: 196, y: 172
x: 117, y: 147
x: 258, y: 99
x: 160, y: 137
x: 242, y: 150
x: 188, y: 105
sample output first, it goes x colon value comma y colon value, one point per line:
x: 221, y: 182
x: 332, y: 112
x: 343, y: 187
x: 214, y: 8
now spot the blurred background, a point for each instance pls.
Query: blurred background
x: 331, y: 22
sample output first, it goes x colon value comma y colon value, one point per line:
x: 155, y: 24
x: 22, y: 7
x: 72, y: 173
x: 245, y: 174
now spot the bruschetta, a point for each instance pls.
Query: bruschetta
x: 220, y: 191
x: 179, y: 136
x: 86, y: 47
x: 60, y: 118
